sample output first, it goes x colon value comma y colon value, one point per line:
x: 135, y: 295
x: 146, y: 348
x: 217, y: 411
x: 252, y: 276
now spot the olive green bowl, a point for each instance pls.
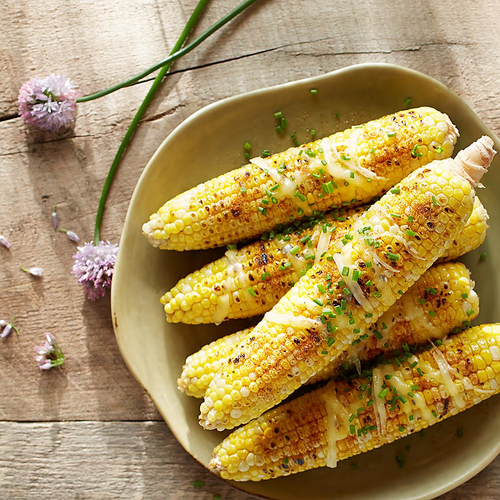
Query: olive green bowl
x: 208, y: 144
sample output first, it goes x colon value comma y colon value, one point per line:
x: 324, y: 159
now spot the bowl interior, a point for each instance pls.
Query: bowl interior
x: 210, y: 143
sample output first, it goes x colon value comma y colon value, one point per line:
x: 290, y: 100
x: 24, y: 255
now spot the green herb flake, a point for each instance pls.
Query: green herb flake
x: 465, y: 295
x: 199, y: 484
x: 483, y: 257
x: 251, y: 291
x: 393, y: 256
x: 407, y: 101
x: 409, y: 232
x: 314, y: 91
x: 278, y: 115
x: 439, y: 150
x: 400, y: 459
x: 232, y: 247
x: 243, y: 189
x: 391, y: 134
x: 434, y: 201
x: 295, y: 250
x: 247, y: 146
x: 395, y: 190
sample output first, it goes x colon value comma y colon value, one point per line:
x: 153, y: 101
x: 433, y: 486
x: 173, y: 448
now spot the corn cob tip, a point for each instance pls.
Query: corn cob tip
x: 452, y: 129
x: 472, y: 162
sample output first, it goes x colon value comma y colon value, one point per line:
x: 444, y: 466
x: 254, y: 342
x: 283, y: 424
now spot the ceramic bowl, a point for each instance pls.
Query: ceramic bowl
x: 208, y: 144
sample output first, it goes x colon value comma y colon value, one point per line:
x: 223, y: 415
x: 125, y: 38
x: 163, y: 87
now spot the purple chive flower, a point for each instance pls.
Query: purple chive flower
x: 4, y: 241
x: 34, y: 271
x: 3, y: 323
x: 48, y: 103
x: 54, y: 217
x: 94, y: 266
x: 49, y: 354
x: 71, y: 235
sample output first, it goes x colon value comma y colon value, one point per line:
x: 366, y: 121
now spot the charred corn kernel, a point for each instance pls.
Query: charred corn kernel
x: 446, y: 289
x: 290, y: 185
x: 386, y: 262
x: 200, y: 367
x: 249, y: 281
x: 332, y: 427
x: 219, y: 291
x: 473, y: 234
x: 408, y: 320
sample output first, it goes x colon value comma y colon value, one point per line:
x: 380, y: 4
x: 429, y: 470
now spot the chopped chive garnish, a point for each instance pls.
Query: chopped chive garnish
x: 368, y: 315
x: 310, y: 153
x: 369, y: 264
x: 414, y: 364
x: 279, y: 129
x: 407, y: 101
x: 278, y: 115
x: 343, y: 304
x: 351, y: 175
x: 305, y: 239
x: 432, y: 291
x: 470, y: 312
x: 284, y: 123
x: 391, y: 134
x: 414, y: 152
x: 395, y: 190
x: 231, y: 247
x: 265, y: 276
x: 338, y: 310
x: 434, y: 201
x: 411, y: 394
x: 266, y: 202
x: 247, y: 146
x: 439, y: 149
x: 433, y: 314
x: 434, y: 413
x: 314, y: 91
x: 410, y: 218
x: 345, y: 271
x: 251, y: 291
x: 324, y: 352
x: 294, y: 250
x: 345, y: 158
x: 409, y: 232
x: 421, y: 301
x: 420, y: 372
x: 393, y: 256
x: 199, y: 484
x: 483, y: 257
x: 402, y: 429
x: 414, y: 387
x: 356, y: 274
x: 319, y: 302
x: 243, y: 189
x: 377, y: 334
x: 395, y: 215
x: 262, y: 210
x: 388, y: 376
x: 465, y: 295
x: 266, y: 153
x: 321, y: 288
x: 352, y: 428
x: 352, y: 417
x: 383, y: 393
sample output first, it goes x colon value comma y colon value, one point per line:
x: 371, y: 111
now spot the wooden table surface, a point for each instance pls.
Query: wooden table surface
x: 88, y: 430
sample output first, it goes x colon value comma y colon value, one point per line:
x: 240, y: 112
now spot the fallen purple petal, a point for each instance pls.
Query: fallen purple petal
x: 6, y: 331
x: 34, y: 271
x: 46, y: 366
x: 4, y: 241
x: 72, y: 236
x: 55, y: 220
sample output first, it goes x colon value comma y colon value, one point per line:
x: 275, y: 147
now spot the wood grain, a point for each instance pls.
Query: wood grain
x: 96, y: 44
x: 95, y: 460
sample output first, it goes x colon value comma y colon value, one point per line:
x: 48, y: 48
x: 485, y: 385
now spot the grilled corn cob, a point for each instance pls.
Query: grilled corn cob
x: 445, y: 289
x: 347, y: 168
x: 472, y: 236
x: 225, y: 289
x: 334, y: 423
x: 333, y: 305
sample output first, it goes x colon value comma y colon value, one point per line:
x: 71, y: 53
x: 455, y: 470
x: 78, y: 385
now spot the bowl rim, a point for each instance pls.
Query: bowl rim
x: 450, y: 485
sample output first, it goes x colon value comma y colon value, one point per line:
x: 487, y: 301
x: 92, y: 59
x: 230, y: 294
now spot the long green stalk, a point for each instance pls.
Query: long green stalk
x: 140, y: 113
x: 175, y: 54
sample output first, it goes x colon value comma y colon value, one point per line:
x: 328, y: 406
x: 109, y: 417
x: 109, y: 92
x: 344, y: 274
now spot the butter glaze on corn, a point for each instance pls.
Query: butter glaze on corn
x: 324, y: 426
x: 298, y: 337
x: 220, y: 290
x: 353, y: 166
x: 446, y: 289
